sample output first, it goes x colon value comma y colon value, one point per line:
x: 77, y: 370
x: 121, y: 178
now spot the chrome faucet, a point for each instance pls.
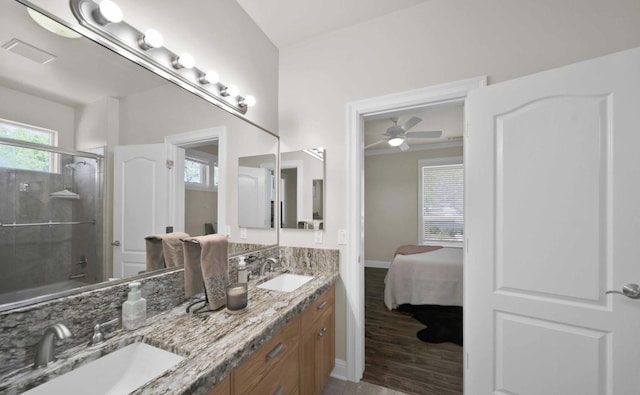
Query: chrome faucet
x: 45, y: 352
x: 271, y: 262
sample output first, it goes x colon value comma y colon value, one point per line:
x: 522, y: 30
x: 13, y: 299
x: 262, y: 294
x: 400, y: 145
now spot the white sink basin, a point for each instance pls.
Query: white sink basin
x: 285, y: 282
x: 119, y: 372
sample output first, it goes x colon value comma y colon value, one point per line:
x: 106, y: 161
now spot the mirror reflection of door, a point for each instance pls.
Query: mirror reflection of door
x: 317, y: 198
x: 254, y: 210
x: 289, y: 195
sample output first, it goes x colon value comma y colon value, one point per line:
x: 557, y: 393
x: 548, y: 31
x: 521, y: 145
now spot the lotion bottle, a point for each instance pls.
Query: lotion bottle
x: 242, y: 270
x: 134, y: 310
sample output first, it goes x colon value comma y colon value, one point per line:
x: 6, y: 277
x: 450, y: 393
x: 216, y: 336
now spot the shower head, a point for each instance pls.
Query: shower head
x: 75, y: 165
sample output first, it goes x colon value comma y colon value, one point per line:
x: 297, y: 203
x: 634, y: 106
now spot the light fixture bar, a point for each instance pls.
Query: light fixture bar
x: 159, y: 58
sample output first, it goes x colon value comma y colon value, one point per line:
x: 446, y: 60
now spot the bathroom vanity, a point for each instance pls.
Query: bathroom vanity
x: 283, y: 342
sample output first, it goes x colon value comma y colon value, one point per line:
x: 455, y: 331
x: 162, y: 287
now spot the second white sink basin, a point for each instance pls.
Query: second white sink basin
x: 286, y: 282
x: 119, y: 372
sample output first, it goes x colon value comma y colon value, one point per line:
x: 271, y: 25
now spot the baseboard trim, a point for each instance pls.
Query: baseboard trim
x: 378, y: 264
x: 340, y: 370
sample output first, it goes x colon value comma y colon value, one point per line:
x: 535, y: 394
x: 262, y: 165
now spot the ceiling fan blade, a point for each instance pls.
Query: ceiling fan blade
x: 425, y: 134
x: 376, y: 143
x: 413, y: 121
x: 404, y: 146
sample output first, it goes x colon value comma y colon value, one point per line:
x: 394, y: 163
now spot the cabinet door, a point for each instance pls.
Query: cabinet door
x: 308, y: 360
x: 325, y: 348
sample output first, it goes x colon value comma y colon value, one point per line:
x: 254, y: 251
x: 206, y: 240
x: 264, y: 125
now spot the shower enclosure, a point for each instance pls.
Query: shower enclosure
x: 50, y: 219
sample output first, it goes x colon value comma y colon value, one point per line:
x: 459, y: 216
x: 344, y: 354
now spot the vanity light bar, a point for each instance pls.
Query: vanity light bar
x: 148, y: 46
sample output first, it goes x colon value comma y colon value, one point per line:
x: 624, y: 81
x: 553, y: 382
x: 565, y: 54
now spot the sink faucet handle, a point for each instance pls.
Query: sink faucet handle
x: 98, y: 335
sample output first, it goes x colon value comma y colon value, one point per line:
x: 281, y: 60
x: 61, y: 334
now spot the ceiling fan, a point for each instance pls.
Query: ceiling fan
x: 396, y: 136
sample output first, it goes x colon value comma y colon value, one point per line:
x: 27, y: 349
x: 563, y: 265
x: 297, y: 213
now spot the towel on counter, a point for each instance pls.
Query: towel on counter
x: 206, y: 261
x: 164, y: 250
x: 410, y: 249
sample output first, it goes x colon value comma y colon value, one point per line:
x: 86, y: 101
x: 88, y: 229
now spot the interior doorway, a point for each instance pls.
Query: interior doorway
x: 353, y: 275
x: 177, y: 144
x: 410, y: 342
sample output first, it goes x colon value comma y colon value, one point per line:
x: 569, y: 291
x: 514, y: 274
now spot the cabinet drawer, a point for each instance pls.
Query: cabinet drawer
x: 282, y: 379
x: 314, y: 311
x: 262, y: 362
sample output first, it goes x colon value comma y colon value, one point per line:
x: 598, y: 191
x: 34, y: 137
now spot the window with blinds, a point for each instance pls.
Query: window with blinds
x: 442, y: 203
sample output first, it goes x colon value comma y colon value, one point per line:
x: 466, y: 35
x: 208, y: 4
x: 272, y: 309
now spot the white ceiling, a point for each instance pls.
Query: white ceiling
x: 82, y: 71
x: 289, y: 22
x: 447, y: 118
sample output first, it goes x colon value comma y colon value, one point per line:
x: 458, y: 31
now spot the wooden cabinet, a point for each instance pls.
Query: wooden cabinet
x: 296, y: 360
x: 273, y: 368
x: 317, y: 347
x: 223, y: 388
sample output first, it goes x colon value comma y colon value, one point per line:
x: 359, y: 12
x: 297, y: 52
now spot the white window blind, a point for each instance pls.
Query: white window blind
x: 442, y: 201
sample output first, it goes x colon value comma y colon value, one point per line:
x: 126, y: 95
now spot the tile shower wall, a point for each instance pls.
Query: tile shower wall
x: 36, y: 256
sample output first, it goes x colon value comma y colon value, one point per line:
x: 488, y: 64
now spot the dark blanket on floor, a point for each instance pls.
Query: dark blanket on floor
x: 444, y: 323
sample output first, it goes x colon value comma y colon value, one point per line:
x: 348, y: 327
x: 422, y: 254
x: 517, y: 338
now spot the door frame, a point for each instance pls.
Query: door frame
x: 192, y: 139
x: 352, y: 272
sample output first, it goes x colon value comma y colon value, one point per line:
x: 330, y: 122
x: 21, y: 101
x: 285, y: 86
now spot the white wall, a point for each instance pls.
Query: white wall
x: 391, y: 195
x: 147, y: 117
x: 434, y: 42
x: 19, y: 107
x: 219, y: 35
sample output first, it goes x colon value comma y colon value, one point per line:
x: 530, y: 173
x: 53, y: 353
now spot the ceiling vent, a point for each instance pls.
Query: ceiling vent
x: 28, y: 51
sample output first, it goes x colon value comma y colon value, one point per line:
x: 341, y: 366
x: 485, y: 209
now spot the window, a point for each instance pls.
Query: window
x: 200, y: 171
x: 442, y: 202
x: 26, y: 158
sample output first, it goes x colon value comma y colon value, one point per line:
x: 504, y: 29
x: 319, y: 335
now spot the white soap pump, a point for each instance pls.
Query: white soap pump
x: 134, y: 310
x: 242, y: 270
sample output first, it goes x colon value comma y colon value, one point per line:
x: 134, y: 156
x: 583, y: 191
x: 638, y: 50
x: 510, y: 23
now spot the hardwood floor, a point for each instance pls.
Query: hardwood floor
x: 395, y: 358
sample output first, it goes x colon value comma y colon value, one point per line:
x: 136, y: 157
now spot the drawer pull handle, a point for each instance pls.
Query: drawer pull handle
x: 321, y: 306
x: 322, y: 332
x: 279, y: 390
x: 276, y: 351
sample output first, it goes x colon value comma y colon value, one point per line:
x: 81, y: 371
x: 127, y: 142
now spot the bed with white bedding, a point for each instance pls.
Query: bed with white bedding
x: 433, y: 277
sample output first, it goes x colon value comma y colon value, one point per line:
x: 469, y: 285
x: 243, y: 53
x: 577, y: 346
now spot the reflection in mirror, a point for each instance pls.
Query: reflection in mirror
x: 256, y: 191
x: 302, y: 192
x: 91, y: 99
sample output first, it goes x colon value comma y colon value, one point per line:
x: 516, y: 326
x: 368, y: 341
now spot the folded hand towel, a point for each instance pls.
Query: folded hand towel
x: 164, y: 250
x: 213, y: 262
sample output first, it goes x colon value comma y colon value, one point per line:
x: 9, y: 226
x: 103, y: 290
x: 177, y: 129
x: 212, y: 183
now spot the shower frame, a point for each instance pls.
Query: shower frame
x: 97, y: 206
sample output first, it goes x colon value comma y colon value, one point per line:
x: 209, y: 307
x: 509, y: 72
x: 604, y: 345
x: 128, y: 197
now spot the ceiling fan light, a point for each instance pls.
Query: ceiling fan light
x: 396, y: 141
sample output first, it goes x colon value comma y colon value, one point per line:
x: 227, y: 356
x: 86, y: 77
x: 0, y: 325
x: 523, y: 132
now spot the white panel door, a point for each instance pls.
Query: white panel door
x: 140, y: 203
x: 254, y: 204
x: 553, y: 222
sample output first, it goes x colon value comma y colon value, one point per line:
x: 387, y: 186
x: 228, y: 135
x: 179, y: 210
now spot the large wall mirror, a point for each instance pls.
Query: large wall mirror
x: 58, y: 234
x: 302, y: 192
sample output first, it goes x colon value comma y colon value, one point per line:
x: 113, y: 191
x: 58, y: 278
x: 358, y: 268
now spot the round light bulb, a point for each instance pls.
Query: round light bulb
x: 110, y: 11
x: 152, y: 39
x: 396, y: 141
x: 210, y: 77
x: 233, y: 90
x: 184, y: 60
x: 250, y: 101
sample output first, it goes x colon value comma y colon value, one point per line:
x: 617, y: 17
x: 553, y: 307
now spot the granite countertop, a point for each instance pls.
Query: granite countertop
x: 213, y: 343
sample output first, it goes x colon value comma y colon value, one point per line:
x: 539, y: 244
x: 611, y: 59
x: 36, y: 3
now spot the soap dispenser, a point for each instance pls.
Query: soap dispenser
x: 134, y: 310
x: 242, y: 270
